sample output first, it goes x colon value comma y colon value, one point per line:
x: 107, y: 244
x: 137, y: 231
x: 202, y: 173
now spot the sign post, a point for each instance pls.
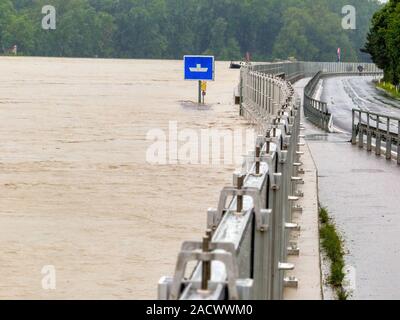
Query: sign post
x: 199, y: 68
x: 199, y: 91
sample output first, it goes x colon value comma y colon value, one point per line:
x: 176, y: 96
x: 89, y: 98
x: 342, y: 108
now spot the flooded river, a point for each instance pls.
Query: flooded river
x: 76, y: 192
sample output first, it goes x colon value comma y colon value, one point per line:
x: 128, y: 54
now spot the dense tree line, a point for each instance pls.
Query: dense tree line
x: 384, y: 40
x: 268, y: 29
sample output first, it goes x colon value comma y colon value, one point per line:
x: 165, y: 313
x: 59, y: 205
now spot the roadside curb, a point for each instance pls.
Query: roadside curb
x: 308, y: 263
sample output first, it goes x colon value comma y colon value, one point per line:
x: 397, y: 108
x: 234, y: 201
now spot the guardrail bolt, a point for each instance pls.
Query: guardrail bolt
x: 238, y: 181
x: 291, y: 282
x: 293, y: 249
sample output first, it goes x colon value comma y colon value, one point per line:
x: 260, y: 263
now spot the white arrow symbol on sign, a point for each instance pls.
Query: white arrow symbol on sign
x: 198, y: 69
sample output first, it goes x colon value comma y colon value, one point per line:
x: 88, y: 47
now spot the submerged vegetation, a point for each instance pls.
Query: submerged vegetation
x: 332, y: 245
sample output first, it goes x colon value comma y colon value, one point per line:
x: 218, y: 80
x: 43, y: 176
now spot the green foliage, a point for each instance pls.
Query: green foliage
x: 323, y: 215
x: 390, y: 89
x: 313, y: 31
x: 333, y: 247
x: 342, y: 295
x: 383, y: 41
x: 268, y: 29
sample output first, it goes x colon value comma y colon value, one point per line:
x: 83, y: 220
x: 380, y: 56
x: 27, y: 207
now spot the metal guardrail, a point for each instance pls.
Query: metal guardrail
x: 368, y: 126
x: 299, y: 69
x: 314, y: 110
x: 317, y: 111
x: 244, y: 252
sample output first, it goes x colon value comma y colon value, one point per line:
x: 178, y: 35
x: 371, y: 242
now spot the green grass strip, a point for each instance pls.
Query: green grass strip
x: 333, y: 246
x: 389, y: 88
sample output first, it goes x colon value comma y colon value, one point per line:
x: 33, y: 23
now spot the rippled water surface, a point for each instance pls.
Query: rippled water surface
x: 76, y: 190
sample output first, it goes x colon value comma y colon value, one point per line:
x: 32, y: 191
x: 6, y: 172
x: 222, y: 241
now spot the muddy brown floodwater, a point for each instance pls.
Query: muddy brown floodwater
x: 76, y: 191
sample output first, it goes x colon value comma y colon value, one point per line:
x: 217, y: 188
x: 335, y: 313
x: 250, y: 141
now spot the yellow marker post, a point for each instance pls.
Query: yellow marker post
x: 203, y: 89
x: 204, y: 86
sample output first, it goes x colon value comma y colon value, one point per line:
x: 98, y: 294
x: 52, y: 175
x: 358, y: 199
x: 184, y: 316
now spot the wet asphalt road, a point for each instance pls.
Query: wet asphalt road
x: 345, y: 93
x: 361, y: 192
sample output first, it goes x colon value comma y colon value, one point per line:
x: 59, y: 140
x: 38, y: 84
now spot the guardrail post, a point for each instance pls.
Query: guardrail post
x: 238, y: 181
x: 361, y: 137
x: 264, y: 100
x: 326, y: 120
x: 263, y: 242
x: 354, y: 128
x: 257, y: 158
x: 262, y: 273
x: 206, y: 267
x: 360, y: 131
x: 378, y: 138
x: 252, y: 93
x: 285, y: 213
x: 378, y: 144
x: 388, y: 141
x: 276, y: 216
x: 369, y: 133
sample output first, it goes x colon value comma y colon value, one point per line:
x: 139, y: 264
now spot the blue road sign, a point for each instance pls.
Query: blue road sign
x: 199, y: 68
